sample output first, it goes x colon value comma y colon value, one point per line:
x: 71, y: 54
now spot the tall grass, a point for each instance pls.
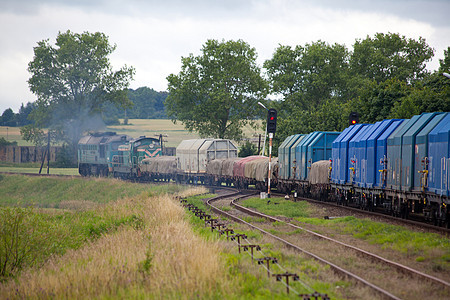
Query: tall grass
x: 28, y: 236
x: 158, y: 256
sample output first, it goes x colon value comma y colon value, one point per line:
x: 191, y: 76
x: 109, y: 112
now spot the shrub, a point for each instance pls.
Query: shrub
x: 4, y: 142
x: 25, y: 240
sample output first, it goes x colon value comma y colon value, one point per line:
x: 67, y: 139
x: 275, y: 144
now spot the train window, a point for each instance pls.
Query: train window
x: 102, y: 151
x: 115, y: 146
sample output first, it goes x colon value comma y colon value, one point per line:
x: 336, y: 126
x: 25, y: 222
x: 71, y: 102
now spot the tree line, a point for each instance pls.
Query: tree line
x: 316, y: 87
x: 147, y: 104
x: 385, y: 76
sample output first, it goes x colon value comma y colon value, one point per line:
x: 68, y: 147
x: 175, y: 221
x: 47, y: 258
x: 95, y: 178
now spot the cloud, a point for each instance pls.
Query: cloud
x: 153, y: 35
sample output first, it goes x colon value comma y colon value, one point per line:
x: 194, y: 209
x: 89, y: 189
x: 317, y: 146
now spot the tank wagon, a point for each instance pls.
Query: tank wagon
x: 96, y: 151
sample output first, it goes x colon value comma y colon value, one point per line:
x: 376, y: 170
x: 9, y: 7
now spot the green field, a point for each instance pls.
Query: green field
x: 135, y: 128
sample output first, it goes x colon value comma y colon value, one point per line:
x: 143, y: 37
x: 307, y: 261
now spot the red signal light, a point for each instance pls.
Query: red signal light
x: 271, y: 120
x: 353, y: 118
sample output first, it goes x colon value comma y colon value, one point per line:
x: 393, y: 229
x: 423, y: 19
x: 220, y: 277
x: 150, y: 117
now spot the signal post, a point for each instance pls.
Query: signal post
x: 271, y: 128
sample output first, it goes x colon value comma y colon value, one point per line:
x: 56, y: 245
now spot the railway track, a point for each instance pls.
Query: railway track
x: 415, y: 284
x: 416, y: 224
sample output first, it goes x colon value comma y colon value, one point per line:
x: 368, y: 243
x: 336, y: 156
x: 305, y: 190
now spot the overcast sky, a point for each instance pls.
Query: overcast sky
x: 152, y: 35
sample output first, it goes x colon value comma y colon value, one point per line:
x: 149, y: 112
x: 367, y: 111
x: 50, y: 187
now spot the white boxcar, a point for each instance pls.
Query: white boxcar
x: 193, y: 155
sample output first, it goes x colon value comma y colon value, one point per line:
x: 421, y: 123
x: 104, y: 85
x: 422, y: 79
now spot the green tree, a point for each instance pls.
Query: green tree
x: 148, y: 103
x: 313, y: 81
x: 216, y: 93
x: 430, y: 94
x: 24, y: 112
x: 33, y: 134
x: 445, y: 63
x: 247, y: 149
x: 386, y: 56
x: 308, y: 76
x: 8, y: 118
x: 72, y: 80
x: 378, y: 101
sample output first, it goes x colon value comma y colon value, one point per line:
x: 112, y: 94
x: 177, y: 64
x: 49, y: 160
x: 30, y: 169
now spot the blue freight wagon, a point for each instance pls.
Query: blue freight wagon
x: 362, y: 155
x: 376, y: 151
x: 284, y: 156
x: 282, y: 163
x: 343, y: 155
x: 319, y: 148
x: 420, y: 154
x: 439, y: 158
x: 335, y: 159
x: 408, y: 163
x: 354, y: 162
x: 394, y: 152
x: 381, y: 158
x: 294, y: 163
x: 287, y: 163
x: 300, y: 156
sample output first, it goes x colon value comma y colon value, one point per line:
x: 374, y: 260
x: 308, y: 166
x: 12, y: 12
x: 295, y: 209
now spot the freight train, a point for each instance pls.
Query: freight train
x: 399, y: 166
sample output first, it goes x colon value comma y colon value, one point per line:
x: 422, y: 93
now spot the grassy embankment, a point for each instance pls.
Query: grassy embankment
x: 99, y: 238
x: 422, y: 247
x: 104, y: 238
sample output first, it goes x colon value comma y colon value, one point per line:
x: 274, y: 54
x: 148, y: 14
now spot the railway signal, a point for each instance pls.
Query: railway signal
x: 353, y: 118
x: 271, y: 128
x: 271, y: 120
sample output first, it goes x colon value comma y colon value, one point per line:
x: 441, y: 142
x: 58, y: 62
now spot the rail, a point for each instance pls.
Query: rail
x: 335, y: 267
